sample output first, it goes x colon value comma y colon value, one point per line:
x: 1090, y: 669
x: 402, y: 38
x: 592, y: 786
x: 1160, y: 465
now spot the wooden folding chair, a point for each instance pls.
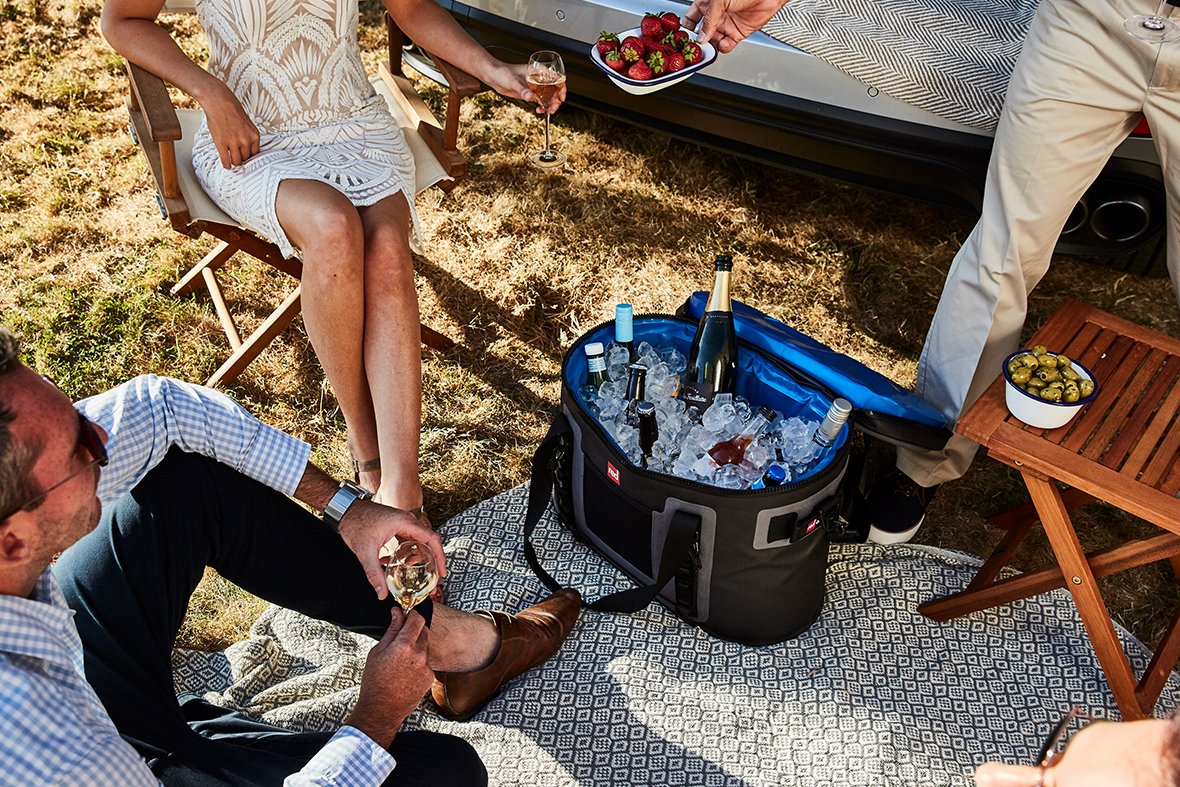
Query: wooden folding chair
x: 165, y: 135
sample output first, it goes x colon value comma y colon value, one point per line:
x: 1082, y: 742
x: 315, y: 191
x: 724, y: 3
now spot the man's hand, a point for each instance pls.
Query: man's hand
x: 367, y: 526
x: 396, y: 677
x: 728, y: 22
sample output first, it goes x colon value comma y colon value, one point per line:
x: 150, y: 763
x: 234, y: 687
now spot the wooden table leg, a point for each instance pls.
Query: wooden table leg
x: 1084, y: 588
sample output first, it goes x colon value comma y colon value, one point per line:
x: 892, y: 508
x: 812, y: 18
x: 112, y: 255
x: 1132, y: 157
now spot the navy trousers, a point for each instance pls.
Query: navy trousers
x: 130, y: 582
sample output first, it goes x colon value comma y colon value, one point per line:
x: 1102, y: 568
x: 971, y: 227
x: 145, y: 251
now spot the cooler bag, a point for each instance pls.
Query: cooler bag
x: 743, y: 565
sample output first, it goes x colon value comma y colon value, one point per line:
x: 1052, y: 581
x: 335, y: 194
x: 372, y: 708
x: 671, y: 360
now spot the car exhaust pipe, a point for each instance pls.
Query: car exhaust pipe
x: 1121, y: 215
x: 1077, y: 217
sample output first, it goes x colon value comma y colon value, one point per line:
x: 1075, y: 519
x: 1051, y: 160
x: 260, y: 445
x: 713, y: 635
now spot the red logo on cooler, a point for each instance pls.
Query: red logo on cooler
x: 612, y: 472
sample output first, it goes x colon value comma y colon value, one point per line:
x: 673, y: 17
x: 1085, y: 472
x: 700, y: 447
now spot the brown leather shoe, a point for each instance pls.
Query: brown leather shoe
x: 527, y: 639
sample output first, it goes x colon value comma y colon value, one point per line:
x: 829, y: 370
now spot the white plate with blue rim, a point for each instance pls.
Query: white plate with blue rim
x: 639, y: 87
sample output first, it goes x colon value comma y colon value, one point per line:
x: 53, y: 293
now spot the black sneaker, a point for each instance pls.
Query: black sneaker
x: 896, y: 507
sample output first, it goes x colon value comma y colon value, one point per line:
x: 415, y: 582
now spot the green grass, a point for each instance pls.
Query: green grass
x: 517, y: 265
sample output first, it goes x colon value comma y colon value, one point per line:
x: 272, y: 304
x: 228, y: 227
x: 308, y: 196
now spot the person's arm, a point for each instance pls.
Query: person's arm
x: 396, y: 677
x: 728, y: 22
x: 148, y: 415
x: 367, y: 526
x: 130, y: 27
x: 428, y: 24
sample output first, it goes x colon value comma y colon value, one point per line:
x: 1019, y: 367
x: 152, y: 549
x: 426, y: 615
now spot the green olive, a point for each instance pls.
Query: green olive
x: 1071, y: 394
x: 1047, y: 361
x: 1063, y: 361
x: 1040, y: 349
x: 1068, y: 373
x: 1029, y: 360
x: 1050, y: 394
x: 1048, y: 374
x: 1021, y: 375
x: 1085, y: 387
x: 1036, y: 383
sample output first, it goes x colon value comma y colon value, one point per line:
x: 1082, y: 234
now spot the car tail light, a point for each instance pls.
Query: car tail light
x: 1141, y: 130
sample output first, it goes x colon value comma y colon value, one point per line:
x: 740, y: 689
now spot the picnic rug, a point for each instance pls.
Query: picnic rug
x: 872, y: 694
x: 949, y: 57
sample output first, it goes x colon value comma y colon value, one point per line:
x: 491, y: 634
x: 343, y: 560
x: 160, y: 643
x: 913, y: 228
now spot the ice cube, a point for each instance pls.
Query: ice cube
x: 718, y: 416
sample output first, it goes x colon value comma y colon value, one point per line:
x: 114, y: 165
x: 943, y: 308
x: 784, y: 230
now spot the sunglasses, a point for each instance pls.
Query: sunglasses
x: 88, y: 440
x: 1052, y: 749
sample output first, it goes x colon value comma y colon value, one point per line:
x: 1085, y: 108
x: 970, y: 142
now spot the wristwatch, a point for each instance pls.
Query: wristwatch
x: 345, y: 496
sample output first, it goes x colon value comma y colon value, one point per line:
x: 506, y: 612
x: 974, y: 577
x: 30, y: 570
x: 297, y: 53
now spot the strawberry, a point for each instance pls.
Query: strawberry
x: 639, y: 71
x: 632, y: 49
x: 674, y: 62
x: 692, y: 53
x: 679, y: 38
x: 651, y: 26
x: 669, y: 21
x: 650, y: 46
x: 607, y: 42
x: 615, y: 61
x: 655, y: 61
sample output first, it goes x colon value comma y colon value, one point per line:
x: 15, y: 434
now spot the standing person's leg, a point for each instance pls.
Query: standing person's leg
x: 1074, y: 96
x: 130, y: 582
x: 393, y: 348
x: 1162, y: 110
x: 326, y: 228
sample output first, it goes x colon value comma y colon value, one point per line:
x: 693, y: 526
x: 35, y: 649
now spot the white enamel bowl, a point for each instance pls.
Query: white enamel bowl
x: 1038, y: 412
x: 637, y: 87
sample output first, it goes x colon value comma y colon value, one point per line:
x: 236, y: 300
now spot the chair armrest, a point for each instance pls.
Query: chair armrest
x: 149, y: 95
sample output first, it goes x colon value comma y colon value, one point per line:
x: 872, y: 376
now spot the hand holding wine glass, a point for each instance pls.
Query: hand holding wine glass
x: 546, y: 78
x: 411, y: 573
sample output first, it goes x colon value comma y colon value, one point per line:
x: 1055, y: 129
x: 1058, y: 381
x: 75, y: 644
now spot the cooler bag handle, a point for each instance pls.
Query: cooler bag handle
x: 678, y: 544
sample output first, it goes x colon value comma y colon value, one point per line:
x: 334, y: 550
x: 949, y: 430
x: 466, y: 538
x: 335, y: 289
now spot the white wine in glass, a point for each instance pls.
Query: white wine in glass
x: 1155, y: 28
x: 546, y: 78
x: 411, y: 574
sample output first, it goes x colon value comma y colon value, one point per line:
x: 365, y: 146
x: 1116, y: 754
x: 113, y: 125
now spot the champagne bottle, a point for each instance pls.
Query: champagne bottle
x: 636, y: 392
x: 712, y: 361
x: 733, y: 450
x: 649, y: 430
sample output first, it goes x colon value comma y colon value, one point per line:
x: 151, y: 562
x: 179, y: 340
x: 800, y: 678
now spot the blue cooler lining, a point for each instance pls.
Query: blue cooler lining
x: 760, y: 380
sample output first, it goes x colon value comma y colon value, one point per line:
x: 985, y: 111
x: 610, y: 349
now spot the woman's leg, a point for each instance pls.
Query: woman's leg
x: 327, y: 228
x: 393, y: 347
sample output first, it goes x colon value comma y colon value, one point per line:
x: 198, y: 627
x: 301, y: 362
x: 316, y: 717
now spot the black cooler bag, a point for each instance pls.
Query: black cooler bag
x: 743, y: 565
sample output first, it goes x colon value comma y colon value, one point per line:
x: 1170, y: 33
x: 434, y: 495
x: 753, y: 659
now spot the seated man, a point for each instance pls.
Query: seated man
x: 154, y: 481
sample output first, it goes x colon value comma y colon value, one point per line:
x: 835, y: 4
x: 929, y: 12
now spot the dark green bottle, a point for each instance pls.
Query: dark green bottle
x: 712, y: 361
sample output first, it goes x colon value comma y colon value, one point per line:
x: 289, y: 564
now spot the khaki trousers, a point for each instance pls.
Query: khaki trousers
x: 1079, y: 87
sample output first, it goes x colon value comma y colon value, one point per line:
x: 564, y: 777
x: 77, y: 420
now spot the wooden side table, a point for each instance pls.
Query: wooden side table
x: 1123, y: 448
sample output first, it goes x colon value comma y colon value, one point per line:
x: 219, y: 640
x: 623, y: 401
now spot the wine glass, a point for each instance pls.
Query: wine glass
x: 411, y: 573
x: 546, y: 77
x: 1154, y: 28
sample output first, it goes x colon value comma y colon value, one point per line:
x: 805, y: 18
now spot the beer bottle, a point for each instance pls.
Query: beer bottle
x: 712, y: 360
x: 649, y: 431
x: 775, y: 475
x: 636, y: 385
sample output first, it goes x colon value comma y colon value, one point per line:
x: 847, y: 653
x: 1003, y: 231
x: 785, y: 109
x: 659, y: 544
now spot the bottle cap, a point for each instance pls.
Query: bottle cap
x: 724, y: 262
x: 623, y: 316
x: 637, y: 369
x: 776, y: 474
x: 767, y: 413
x: 594, y: 348
x: 841, y: 408
x: 645, y: 408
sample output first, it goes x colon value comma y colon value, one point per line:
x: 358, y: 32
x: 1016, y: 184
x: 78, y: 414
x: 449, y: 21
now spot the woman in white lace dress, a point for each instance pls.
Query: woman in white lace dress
x: 298, y: 147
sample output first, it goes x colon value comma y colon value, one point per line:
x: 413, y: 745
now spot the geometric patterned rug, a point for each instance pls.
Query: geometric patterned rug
x: 949, y: 57
x: 872, y: 694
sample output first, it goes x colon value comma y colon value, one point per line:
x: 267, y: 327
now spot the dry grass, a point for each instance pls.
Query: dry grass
x: 518, y: 264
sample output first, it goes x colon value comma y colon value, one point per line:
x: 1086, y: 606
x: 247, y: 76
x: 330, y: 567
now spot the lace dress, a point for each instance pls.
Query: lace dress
x: 295, y: 66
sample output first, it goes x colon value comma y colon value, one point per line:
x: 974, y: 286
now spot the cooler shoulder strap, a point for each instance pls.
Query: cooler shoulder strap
x: 677, y: 549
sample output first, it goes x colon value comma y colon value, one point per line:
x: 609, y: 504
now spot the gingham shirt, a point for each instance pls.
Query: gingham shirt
x: 53, y: 728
